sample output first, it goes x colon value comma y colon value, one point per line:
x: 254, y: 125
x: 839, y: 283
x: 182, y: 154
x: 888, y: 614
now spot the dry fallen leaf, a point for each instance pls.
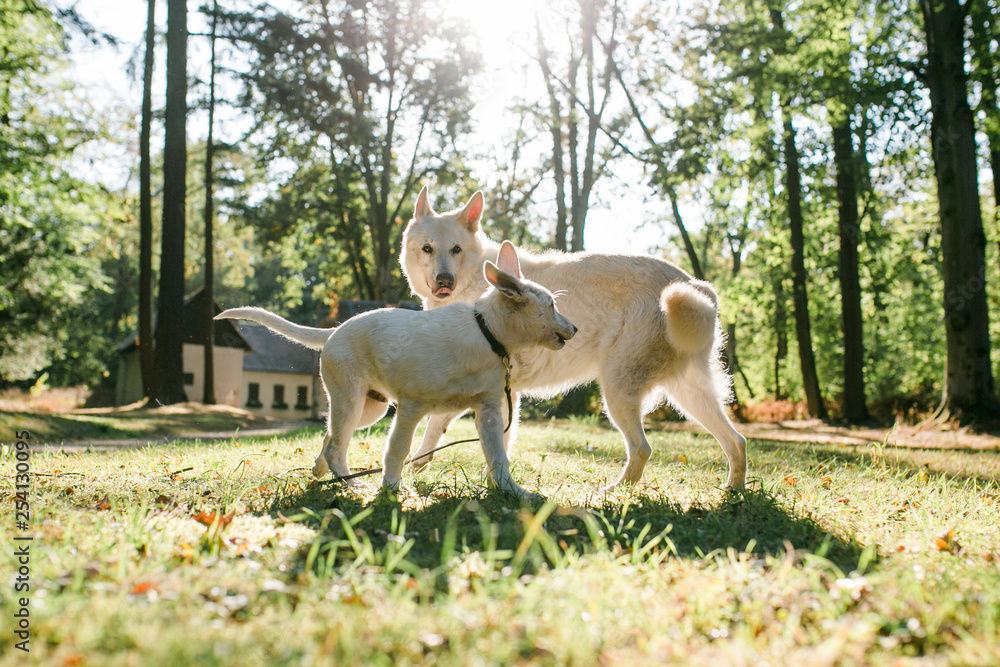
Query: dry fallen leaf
x: 212, y: 518
x: 947, y: 542
x: 241, y: 547
x: 102, y: 504
x: 165, y: 500
x: 790, y: 480
x: 144, y: 587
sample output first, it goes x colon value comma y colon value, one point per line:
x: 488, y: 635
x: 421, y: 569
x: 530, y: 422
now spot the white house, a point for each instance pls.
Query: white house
x: 229, y: 349
x: 255, y: 368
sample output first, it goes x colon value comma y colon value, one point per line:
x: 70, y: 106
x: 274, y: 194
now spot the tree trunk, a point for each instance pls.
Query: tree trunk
x: 985, y: 66
x: 781, y: 337
x: 969, y: 391
x: 146, y: 214
x: 555, y: 129
x: 208, y: 395
x: 854, y: 409
x: 169, y: 329
x: 800, y: 296
x: 685, y: 237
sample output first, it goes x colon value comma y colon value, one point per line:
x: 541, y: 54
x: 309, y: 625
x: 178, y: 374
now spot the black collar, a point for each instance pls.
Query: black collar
x: 497, y: 346
x: 501, y: 352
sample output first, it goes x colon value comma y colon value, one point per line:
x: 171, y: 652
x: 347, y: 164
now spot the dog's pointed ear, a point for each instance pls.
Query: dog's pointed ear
x: 472, y: 212
x: 423, y: 205
x: 503, y: 281
x: 507, y: 260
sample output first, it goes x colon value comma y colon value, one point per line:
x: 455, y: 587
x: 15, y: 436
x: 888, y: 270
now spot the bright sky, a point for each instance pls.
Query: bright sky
x: 623, y: 215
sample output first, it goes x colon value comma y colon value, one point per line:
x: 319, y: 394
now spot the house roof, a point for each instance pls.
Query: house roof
x: 226, y: 332
x: 273, y: 353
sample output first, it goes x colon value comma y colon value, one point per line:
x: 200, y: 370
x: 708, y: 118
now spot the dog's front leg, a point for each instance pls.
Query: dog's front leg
x: 489, y: 423
x: 436, y: 426
x: 408, y: 415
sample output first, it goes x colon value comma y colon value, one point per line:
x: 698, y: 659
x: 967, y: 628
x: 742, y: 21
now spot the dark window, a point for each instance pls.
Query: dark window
x: 253, y: 399
x: 302, y: 398
x: 279, y: 398
x: 189, y: 379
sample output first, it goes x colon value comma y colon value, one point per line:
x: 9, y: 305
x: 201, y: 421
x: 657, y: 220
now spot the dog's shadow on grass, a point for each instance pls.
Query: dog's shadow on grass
x: 445, y: 524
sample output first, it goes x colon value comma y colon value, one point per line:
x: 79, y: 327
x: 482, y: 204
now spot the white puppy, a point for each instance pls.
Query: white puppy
x: 428, y: 362
x: 648, y: 330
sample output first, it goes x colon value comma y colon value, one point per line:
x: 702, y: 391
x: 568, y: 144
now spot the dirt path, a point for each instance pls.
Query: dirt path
x: 921, y: 436
x: 272, y: 428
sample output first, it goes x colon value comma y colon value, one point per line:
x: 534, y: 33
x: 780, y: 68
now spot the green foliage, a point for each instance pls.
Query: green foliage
x: 52, y: 218
x: 366, y: 100
x: 724, y: 155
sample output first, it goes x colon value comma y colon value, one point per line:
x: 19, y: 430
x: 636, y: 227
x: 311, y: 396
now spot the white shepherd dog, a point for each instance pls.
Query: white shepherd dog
x: 448, y: 360
x: 648, y: 331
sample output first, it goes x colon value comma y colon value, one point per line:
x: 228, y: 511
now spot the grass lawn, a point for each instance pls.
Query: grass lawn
x: 225, y: 553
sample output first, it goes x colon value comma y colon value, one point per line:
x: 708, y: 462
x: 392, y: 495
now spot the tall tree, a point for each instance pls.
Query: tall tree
x: 841, y: 98
x: 50, y: 217
x: 169, y: 360
x: 985, y: 43
x: 372, y: 96
x: 208, y: 394
x: 800, y: 294
x: 969, y: 391
x: 578, y: 101
x: 146, y: 212
x: 854, y: 408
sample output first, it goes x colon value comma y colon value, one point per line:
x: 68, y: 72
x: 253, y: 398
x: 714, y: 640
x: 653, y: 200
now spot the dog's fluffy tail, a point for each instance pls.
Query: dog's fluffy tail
x: 691, y: 310
x: 309, y: 336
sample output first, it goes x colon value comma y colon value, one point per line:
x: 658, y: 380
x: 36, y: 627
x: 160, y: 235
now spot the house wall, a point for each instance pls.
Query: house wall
x: 266, y: 381
x: 228, y: 365
x: 231, y: 383
x: 128, y: 388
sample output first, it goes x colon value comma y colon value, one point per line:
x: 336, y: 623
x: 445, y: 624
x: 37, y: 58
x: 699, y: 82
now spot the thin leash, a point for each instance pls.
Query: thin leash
x: 500, y: 351
x: 374, y: 471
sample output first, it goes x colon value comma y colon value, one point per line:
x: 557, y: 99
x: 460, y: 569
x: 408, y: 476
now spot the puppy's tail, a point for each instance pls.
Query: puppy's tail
x: 309, y: 336
x: 691, y: 312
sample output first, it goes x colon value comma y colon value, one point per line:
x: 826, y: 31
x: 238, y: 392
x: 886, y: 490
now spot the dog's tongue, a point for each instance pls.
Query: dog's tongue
x: 442, y: 291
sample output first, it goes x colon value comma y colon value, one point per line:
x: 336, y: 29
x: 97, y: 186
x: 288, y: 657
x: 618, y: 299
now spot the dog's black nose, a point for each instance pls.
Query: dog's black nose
x: 445, y: 280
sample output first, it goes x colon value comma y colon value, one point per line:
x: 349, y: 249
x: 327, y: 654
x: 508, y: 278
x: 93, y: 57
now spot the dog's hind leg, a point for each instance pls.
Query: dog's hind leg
x: 624, y: 408
x: 436, y: 426
x: 408, y: 416
x: 698, y: 393
x: 346, y: 407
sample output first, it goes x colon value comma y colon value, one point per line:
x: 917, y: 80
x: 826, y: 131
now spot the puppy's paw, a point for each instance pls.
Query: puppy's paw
x: 390, y: 494
x: 532, y: 498
x: 420, y: 465
x: 512, y: 488
x: 320, y: 468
